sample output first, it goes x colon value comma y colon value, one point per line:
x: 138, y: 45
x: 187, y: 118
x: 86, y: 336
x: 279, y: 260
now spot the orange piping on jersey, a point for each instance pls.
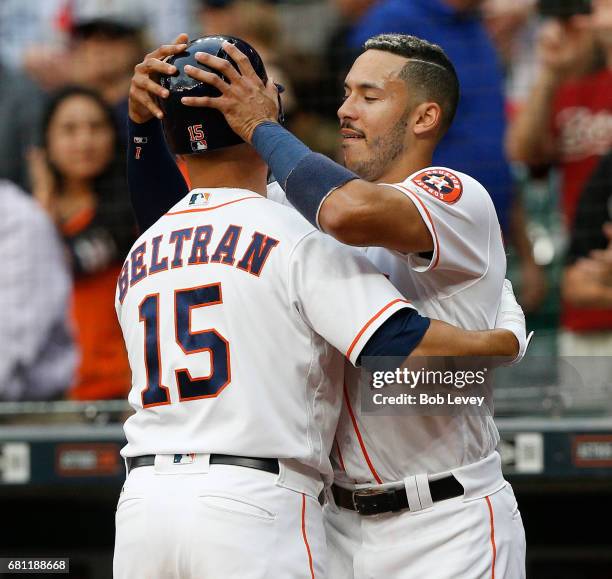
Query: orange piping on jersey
x: 370, y: 322
x: 305, y: 537
x: 359, y: 439
x: 433, y: 227
x: 340, y: 456
x: 492, y: 522
x: 215, y: 207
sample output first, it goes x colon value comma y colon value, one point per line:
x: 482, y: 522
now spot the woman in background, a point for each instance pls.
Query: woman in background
x: 78, y: 176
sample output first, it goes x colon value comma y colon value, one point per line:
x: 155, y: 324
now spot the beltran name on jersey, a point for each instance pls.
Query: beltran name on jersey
x: 194, y: 246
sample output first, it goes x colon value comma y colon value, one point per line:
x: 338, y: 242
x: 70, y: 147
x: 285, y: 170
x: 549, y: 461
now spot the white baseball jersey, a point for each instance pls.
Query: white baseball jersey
x: 460, y: 283
x: 236, y: 314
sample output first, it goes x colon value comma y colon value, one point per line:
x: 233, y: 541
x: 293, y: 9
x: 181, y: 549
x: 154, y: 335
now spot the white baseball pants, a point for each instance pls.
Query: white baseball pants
x: 229, y: 522
x: 475, y: 538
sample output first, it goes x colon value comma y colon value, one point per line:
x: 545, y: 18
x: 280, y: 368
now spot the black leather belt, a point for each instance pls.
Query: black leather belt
x: 267, y: 464
x: 375, y: 501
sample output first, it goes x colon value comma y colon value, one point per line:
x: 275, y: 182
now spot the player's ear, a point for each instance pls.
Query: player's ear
x: 427, y: 118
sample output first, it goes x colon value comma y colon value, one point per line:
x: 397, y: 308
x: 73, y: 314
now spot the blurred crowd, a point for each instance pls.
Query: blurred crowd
x: 534, y: 125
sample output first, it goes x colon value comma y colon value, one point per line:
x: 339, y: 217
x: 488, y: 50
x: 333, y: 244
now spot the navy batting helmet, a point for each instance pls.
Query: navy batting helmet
x: 196, y: 129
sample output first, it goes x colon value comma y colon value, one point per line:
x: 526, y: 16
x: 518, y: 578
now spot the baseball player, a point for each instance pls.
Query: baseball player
x: 237, y: 314
x: 434, y: 481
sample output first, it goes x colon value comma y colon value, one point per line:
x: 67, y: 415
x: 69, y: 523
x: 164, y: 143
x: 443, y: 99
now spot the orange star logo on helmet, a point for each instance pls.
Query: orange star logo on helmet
x: 440, y: 183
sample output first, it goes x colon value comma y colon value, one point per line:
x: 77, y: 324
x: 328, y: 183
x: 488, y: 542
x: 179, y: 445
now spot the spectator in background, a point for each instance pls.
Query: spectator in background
x: 79, y: 177
x: 567, y: 122
x: 120, y: 44
x: 38, y: 359
x: 474, y: 143
x: 101, y: 55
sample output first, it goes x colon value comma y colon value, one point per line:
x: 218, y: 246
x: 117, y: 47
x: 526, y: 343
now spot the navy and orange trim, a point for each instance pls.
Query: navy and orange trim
x: 370, y: 322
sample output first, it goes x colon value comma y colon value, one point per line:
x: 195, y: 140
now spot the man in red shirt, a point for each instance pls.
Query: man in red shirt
x: 567, y: 122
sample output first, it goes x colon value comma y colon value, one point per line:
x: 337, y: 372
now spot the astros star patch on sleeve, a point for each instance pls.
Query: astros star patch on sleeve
x: 442, y: 184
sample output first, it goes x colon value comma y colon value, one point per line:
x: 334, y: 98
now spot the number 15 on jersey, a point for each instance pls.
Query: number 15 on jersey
x: 191, y: 343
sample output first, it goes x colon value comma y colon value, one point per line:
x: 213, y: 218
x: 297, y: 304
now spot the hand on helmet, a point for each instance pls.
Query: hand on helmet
x: 245, y: 101
x: 142, y: 105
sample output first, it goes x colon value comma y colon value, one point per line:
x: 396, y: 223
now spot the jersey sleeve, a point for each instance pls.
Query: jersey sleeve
x: 339, y: 293
x: 154, y: 179
x: 461, y: 218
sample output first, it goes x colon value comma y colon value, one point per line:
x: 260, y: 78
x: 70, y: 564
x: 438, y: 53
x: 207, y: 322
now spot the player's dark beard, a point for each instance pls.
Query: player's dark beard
x: 385, y: 149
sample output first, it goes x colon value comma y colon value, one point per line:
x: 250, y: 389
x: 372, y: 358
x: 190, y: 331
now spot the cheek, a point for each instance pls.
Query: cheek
x: 85, y: 160
x: 104, y: 146
x: 100, y: 154
x: 389, y: 128
x: 377, y: 121
x: 61, y: 152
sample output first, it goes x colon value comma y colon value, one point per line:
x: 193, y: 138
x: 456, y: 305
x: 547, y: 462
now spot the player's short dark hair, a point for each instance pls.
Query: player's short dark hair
x: 429, y: 70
